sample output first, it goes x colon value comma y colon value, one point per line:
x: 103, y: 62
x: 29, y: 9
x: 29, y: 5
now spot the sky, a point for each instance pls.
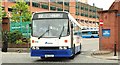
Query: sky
x: 105, y: 4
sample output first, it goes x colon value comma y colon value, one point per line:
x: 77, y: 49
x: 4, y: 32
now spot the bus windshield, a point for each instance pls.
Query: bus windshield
x: 52, y: 26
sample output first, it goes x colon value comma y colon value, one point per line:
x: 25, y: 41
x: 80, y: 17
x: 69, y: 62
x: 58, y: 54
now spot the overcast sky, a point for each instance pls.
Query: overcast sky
x: 105, y: 4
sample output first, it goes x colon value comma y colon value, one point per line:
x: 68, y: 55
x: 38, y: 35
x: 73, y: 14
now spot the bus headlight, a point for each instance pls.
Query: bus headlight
x: 64, y: 47
x: 37, y: 47
x: 60, y: 48
x: 33, y: 48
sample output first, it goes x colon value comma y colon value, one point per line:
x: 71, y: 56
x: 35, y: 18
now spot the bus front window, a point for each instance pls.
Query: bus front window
x: 53, y: 25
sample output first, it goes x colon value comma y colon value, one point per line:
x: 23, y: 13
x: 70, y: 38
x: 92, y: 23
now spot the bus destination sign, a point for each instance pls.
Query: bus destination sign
x: 50, y: 15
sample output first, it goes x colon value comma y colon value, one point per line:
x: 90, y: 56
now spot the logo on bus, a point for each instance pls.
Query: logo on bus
x: 48, y: 43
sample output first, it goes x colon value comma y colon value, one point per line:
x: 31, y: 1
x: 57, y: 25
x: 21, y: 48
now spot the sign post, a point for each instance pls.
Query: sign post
x: 100, y: 36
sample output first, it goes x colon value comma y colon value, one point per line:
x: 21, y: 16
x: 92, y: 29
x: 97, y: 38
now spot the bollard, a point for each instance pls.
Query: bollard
x: 5, y: 42
x: 115, y: 49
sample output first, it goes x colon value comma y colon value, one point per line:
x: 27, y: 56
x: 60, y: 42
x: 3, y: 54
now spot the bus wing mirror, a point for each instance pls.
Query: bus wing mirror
x: 71, y: 25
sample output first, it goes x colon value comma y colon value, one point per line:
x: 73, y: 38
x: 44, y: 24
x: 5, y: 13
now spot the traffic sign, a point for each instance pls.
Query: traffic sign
x: 106, y: 32
x: 101, y: 22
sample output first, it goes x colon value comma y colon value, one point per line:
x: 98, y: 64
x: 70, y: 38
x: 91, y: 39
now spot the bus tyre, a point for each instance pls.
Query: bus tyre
x: 73, y: 56
x: 92, y: 36
x: 42, y: 57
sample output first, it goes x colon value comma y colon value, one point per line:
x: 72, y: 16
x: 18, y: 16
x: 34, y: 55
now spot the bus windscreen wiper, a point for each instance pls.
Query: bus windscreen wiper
x: 43, y: 34
x: 61, y: 32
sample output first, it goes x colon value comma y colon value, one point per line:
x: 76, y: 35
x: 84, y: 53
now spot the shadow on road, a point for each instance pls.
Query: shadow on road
x: 55, y: 59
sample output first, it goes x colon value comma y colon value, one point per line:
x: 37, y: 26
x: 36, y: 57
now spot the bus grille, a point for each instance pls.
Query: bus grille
x: 49, y: 48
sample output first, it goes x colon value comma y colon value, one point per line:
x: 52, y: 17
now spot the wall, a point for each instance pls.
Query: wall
x: 110, y: 21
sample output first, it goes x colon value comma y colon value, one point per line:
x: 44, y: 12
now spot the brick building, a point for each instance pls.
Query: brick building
x: 111, y: 21
x: 84, y: 13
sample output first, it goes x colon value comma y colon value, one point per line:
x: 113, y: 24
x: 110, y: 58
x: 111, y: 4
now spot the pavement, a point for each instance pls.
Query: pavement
x: 19, y: 50
x: 108, y: 55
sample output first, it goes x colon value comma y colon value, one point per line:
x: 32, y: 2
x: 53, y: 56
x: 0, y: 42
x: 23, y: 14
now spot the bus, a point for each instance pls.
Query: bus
x: 90, y: 34
x: 53, y: 35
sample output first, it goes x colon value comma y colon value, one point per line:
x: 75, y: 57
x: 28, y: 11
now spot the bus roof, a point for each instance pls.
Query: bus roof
x: 90, y: 30
x: 51, y: 12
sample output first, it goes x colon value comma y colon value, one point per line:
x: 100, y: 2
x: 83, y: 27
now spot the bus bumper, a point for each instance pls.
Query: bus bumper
x: 52, y: 53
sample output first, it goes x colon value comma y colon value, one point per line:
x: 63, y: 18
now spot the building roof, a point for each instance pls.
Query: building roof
x: 104, y: 11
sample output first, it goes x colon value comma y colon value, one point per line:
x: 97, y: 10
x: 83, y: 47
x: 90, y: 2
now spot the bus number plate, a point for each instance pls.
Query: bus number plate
x: 49, y: 55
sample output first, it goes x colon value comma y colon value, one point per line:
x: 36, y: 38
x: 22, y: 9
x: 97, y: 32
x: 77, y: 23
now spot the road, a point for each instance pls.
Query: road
x: 88, y: 45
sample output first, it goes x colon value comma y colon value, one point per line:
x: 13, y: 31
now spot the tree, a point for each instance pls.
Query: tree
x: 21, y: 9
x: 0, y: 10
x: 2, y: 13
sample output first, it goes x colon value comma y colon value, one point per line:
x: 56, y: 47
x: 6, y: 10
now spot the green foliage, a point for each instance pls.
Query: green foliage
x: 4, y: 14
x: 20, y: 42
x: 21, y: 9
x: 14, y: 36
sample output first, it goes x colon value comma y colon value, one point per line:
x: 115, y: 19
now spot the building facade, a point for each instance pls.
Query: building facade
x: 84, y: 13
x: 111, y: 22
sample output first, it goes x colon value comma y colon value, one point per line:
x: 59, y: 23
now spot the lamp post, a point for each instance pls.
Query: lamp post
x: 101, y: 27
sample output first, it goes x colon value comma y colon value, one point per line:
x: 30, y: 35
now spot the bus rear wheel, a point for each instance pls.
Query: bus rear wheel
x: 92, y: 36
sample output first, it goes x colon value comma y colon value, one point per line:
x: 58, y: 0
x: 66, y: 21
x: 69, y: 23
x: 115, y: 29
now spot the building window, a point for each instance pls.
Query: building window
x: 52, y: 0
x: 86, y: 9
x: 77, y: 6
x: 94, y: 16
x: 44, y: 6
x: 90, y: 10
x: 82, y: 8
x: 66, y: 10
x: 82, y: 14
x: 66, y: 3
x: 60, y: 2
x: 97, y: 23
x: 59, y: 9
x: 52, y: 8
x: 94, y: 10
x: 27, y: 2
x: 77, y: 13
x: 90, y: 16
x: 86, y: 15
x: 34, y: 4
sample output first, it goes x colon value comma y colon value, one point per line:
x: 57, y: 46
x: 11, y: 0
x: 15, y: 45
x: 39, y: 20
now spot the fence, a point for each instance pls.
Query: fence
x: 24, y: 28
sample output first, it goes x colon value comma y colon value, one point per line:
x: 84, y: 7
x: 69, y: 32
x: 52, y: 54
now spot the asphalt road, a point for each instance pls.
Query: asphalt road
x: 88, y: 45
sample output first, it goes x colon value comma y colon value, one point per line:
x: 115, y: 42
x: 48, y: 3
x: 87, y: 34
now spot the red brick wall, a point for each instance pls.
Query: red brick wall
x: 110, y: 21
x: 72, y: 9
x: 119, y: 26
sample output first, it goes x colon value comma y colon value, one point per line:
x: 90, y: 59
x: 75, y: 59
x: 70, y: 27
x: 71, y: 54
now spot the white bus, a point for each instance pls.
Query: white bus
x: 53, y: 35
x: 90, y: 34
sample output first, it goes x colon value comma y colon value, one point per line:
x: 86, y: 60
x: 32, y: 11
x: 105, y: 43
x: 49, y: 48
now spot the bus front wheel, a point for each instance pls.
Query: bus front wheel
x: 42, y: 57
x: 72, y: 57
